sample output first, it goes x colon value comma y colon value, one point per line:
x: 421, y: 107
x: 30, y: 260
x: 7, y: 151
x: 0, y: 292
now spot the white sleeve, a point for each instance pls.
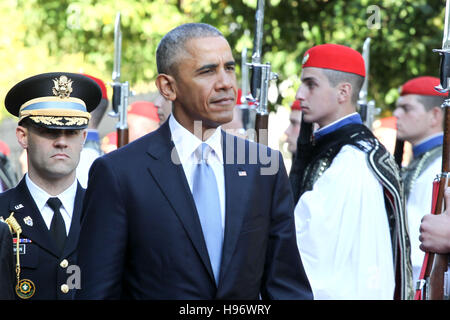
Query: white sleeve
x: 418, y: 205
x: 87, y: 157
x: 343, y: 232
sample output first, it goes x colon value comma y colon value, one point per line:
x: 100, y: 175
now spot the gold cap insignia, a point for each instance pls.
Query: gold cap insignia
x: 63, y: 87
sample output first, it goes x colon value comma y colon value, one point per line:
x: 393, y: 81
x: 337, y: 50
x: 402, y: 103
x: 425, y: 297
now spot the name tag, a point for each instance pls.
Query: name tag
x: 22, y: 248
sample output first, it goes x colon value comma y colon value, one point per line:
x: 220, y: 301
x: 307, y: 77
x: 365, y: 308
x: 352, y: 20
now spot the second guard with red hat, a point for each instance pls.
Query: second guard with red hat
x: 44, y: 210
x: 142, y: 118
x: 420, y: 122
x: 92, y: 146
x: 350, y: 218
x: 293, y: 130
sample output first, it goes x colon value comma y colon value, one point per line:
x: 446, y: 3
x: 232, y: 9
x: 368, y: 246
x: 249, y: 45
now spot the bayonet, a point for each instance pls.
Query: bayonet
x: 120, y: 90
x: 260, y: 78
x: 367, y: 109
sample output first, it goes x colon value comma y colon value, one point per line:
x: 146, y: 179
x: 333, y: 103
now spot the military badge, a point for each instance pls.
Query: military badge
x: 25, y: 289
x: 28, y: 221
x: 63, y: 87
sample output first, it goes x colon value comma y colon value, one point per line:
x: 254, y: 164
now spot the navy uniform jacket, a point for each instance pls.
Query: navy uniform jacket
x: 141, y: 237
x: 39, y: 261
x: 7, y: 264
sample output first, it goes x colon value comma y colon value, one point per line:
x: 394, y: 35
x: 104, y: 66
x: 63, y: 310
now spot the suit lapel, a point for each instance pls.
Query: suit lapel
x: 235, y: 207
x: 72, y: 238
x: 25, y: 209
x: 172, y: 181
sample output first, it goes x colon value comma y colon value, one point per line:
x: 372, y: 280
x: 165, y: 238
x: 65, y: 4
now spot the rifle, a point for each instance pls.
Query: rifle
x: 261, y: 75
x: 367, y: 109
x: 432, y: 283
x: 120, y: 89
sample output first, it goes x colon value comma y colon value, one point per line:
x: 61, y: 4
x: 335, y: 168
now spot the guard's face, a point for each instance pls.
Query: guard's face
x: 293, y: 130
x: 413, y: 121
x: 164, y: 108
x: 52, y: 153
x: 205, y: 85
x: 317, y: 97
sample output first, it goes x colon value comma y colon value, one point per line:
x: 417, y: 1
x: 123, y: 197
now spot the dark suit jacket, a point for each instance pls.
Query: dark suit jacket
x: 40, y: 262
x: 141, y: 237
x: 7, y: 263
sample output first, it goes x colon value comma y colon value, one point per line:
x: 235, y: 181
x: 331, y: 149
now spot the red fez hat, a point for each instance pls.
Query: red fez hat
x: 145, y: 109
x: 387, y: 122
x: 423, y: 86
x: 101, y: 85
x: 4, y: 148
x: 296, y: 105
x: 239, y: 95
x: 335, y: 57
x: 110, y: 138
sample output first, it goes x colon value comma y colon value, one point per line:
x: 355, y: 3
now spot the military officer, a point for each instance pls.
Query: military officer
x: 53, y: 111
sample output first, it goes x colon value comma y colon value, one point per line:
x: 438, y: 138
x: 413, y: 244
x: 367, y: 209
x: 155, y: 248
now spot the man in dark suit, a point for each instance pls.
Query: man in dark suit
x: 7, y: 277
x: 188, y: 211
x: 44, y: 208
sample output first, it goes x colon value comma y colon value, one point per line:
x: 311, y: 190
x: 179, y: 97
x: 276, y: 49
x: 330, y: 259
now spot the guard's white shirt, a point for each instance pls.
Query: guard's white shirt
x: 186, y: 144
x: 343, y: 232
x: 67, y: 198
x: 418, y: 205
x: 87, y: 158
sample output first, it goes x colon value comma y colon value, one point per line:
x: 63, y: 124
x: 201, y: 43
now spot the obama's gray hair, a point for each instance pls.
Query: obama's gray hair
x: 171, y: 46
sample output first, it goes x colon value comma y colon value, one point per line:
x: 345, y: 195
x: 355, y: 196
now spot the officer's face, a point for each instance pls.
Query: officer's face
x: 52, y: 154
x: 413, y: 121
x: 318, y: 98
x: 205, y: 84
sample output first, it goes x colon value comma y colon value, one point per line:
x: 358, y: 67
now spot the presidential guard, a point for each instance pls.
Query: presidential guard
x: 293, y: 130
x: 92, y: 146
x: 44, y: 209
x: 420, y: 122
x: 349, y: 215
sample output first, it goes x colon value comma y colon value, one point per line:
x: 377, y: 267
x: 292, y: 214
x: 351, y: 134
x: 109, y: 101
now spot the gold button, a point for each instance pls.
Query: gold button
x: 65, y: 288
x: 64, y: 263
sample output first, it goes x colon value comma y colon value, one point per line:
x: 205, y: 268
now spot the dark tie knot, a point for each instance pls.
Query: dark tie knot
x: 54, y: 203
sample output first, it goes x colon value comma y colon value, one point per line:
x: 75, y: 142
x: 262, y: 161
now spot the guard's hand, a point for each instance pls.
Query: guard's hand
x: 435, y: 230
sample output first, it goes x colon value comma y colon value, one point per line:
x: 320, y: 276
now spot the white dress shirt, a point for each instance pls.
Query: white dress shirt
x: 186, y: 144
x: 67, y: 198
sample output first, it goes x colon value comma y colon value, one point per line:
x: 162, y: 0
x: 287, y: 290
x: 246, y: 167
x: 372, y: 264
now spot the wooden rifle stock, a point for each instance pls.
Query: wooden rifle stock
x: 261, y: 125
x: 440, y: 261
x: 122, y: 137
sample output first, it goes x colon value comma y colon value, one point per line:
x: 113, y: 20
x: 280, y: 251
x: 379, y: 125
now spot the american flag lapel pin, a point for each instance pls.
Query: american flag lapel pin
x: 242, y: 173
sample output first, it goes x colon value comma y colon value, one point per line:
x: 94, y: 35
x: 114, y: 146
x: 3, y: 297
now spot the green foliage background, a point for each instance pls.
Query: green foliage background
x: 78, y: 36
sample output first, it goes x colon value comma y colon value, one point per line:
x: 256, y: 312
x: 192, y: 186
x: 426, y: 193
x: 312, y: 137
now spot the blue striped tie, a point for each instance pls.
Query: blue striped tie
x: 206, y: 197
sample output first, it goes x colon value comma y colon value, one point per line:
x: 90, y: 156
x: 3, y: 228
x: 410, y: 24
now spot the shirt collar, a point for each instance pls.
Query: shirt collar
x: 40, y: 196
x: 353, y: 118
x: 428, y: 144
x: 186, y: 143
